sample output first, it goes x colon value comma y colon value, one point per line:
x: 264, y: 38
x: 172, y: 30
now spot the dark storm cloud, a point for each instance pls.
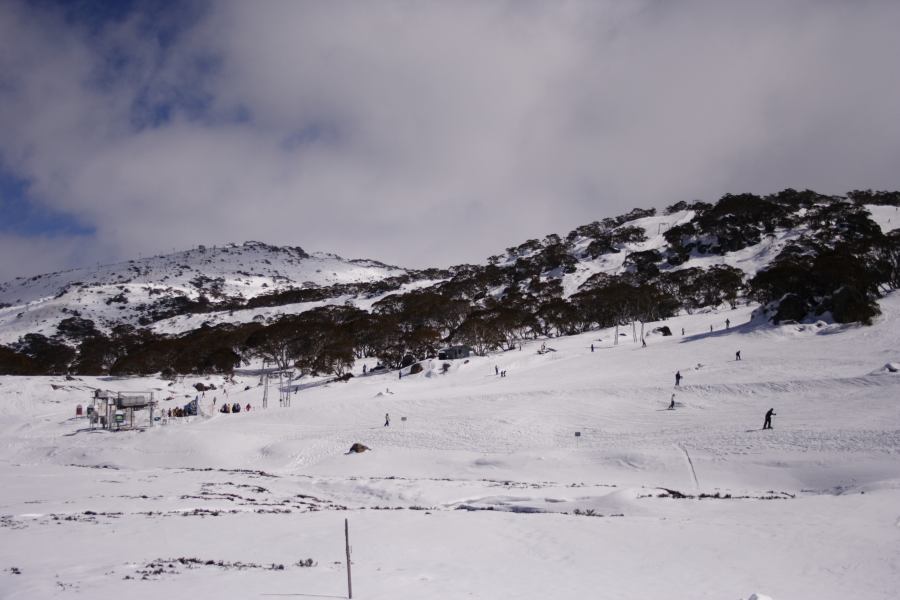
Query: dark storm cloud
x: 430, y: 133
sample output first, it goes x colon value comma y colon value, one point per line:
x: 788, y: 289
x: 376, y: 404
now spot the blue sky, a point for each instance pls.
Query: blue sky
x: 420, y: 133
x: 23, y: 216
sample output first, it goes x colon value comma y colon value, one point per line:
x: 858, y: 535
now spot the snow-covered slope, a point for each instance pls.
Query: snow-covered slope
x: 181, y: 292
x: 479, y: 487
x: 887, y: 217
x: 119, y: 293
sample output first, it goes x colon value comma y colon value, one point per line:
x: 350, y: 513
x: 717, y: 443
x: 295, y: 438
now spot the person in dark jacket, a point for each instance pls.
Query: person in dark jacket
x: 387, y: 419
x: 767, y: 424
x: 677, y: 378
x: 737, y: 355
x: 672, y: 403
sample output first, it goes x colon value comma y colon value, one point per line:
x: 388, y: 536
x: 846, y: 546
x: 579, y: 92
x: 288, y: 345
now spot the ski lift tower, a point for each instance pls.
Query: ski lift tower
x: 284, y: 387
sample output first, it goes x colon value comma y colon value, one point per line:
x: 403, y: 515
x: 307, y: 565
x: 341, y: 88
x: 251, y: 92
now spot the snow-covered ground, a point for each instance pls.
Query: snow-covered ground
x: 484, y: 491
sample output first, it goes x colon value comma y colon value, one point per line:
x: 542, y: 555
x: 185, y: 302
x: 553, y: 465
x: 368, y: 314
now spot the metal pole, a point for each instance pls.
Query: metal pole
x: 265, y: 401
x: 347, y: 546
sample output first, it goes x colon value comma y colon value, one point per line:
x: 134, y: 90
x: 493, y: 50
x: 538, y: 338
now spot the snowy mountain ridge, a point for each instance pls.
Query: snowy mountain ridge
x: 121, y: 292
x: 801, y: 255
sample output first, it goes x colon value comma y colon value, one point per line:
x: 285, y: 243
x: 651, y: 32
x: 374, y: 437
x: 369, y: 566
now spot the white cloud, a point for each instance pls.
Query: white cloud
x: 436, y: 133
x: 24, y: 256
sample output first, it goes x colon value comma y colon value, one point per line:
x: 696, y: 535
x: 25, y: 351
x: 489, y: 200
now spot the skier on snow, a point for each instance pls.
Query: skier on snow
x: 767, y: 424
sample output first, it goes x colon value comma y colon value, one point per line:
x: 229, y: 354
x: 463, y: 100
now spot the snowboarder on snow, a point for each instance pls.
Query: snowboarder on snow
x: 496, y: 370
x: 727, y: 323
x: 677, y: 378
x: 737, y: 355
x: 387, y: 419
x: 672, y: 403
x: 365, y: 368
x: 682, y: 331
x: 592, y: 347
x: 767, y: 424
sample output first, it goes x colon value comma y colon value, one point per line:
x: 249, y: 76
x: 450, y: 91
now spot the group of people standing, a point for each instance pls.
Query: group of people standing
x: 234, y: 408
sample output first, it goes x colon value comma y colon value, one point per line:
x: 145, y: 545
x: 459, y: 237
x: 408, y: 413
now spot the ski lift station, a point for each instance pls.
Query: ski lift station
x: 454, y: 352
x: 121, y: 410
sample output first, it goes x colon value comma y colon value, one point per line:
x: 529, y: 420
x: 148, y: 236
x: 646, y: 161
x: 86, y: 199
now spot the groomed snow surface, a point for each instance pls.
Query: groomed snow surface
x: 484, y: 491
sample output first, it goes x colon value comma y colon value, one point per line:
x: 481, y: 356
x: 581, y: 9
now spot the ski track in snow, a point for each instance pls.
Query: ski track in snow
x: 690, y: 465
